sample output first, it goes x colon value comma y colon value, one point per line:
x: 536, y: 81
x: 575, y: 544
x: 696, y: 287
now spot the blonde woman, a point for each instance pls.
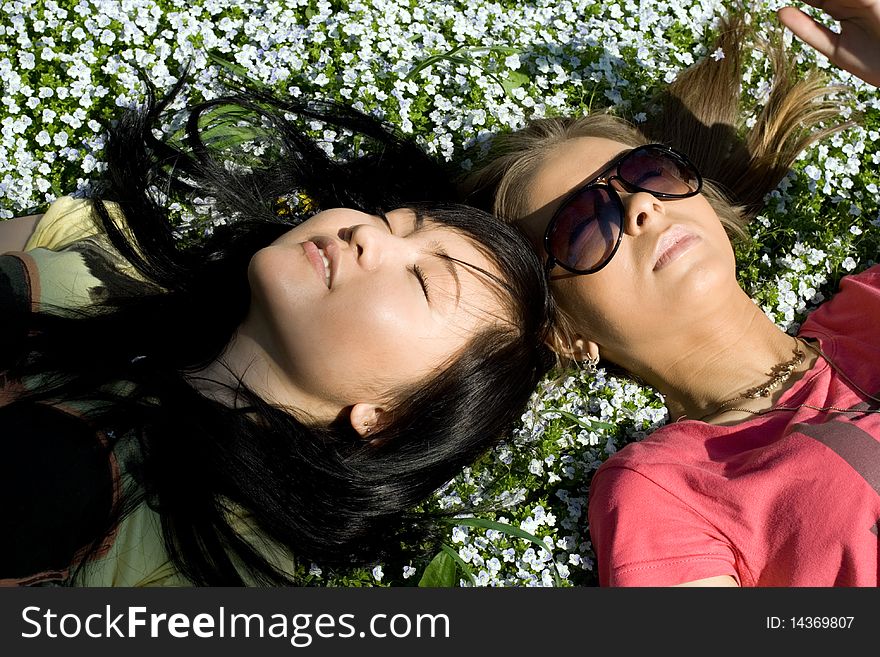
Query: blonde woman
x: 768, y: 473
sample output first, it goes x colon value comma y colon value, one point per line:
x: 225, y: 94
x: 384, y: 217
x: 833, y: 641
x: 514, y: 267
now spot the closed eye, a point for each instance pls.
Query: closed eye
x: 384, y: 219
x: 419, y: 273
x: 648, y: 175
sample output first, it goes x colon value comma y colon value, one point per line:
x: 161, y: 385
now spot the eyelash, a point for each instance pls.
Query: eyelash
x: 419, y: 273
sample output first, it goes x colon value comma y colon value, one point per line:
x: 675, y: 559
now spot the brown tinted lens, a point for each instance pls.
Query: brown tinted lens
x: 586, y: 230
x: 659, y: 171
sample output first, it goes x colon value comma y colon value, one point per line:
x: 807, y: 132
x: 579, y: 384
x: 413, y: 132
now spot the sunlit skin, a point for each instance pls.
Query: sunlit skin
x: 343, y: 349
x: 683, y: 326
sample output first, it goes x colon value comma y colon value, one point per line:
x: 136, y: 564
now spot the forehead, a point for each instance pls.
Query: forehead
x: 567, y: 166
x: 405, y: 222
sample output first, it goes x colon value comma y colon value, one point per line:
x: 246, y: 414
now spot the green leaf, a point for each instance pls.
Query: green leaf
x: 428, y: 61
x: 466, y: 57
x: 227, y: 136
x: 235, y: 70
x: 440, y: 573
x: 443, y: 569
x: 456, y: 557
x: 586, y: 424
x: 503, y: 527
x: 514, y: 80
x: 219, y: 127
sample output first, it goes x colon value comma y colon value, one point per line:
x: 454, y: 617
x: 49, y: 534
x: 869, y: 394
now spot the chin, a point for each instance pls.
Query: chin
x: 706, y: 280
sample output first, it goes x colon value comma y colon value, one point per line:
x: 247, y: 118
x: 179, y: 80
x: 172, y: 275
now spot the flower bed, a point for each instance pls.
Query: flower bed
x: 452, y: 73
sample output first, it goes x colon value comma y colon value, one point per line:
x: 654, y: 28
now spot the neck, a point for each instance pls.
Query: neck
x: 220, y: 379
x: 244, y: 361
x: 715, y: 360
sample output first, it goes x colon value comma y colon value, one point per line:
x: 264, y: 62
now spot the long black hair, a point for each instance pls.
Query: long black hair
x: 321, y: 492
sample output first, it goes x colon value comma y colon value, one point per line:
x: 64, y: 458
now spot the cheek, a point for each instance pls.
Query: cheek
x: 592, y: 303
x: 351, y: 349
x: 366, y: 332
x: 370, y: 322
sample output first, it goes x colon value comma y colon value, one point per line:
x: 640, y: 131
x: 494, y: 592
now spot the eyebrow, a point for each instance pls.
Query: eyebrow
x: 577, y: 189
x: 611, y: 166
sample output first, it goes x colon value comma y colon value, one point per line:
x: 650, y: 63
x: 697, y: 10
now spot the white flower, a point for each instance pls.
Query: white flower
x: 813, y: 172
x: 408, y: 571
x: 89, y: 163
x: 848, y: 264
x: 529, y: 525
x: 26, y: 60
x: 378, y: 574
x: 459, y: 534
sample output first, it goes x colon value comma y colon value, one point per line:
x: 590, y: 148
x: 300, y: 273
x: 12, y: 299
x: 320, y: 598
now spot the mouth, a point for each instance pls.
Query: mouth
x: 321, y: 263
x: 674, y: 242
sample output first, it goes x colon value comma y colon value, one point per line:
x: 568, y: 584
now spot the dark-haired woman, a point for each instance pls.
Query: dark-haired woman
x: 230, y: 408
x: 769, y: 473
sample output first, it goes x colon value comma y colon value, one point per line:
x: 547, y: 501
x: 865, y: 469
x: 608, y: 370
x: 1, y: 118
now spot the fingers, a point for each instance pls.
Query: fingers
x: 809, y: 31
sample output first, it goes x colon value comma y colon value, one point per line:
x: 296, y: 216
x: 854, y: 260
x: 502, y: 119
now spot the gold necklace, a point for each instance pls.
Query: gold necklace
x: 778, y: 375
x: 818, y: 351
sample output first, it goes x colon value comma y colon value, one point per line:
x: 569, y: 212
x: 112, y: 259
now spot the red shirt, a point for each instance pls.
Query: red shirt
x: 784, y: 499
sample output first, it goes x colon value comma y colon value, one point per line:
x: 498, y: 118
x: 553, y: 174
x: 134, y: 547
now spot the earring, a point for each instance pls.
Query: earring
x: 591, y: 363
x: 367, y: 429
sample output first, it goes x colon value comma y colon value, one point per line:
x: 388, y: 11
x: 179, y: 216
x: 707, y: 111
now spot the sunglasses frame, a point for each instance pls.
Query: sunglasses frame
x: 603, y: 181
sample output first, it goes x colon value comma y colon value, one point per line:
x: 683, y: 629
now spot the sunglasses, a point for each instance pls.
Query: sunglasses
x: 587, y: 228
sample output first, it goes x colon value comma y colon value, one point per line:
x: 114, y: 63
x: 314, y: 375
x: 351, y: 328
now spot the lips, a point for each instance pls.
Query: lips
x: 674, y: 242
x: 320, y: 261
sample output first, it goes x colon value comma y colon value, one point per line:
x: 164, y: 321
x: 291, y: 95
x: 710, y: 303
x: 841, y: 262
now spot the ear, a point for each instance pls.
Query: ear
x: 367, y: 419
x: 572, y: 346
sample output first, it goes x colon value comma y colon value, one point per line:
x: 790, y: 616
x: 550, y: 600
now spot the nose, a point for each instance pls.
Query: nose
x: 371, y: 245
x: 641, y: 212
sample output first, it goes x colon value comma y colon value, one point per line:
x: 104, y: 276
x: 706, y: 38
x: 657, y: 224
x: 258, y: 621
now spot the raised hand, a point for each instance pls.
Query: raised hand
x: 857, y: 47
